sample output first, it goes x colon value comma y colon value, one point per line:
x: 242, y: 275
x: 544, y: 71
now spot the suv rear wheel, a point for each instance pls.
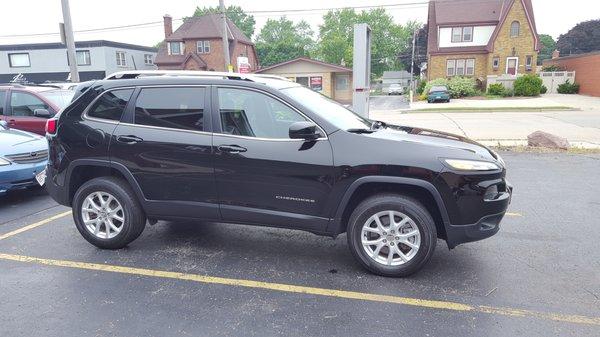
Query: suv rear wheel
x: 391, y: 235
x: 107, y: 213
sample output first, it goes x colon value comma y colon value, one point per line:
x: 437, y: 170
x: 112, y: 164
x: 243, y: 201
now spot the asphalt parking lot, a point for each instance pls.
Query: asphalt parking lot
x: 539, y: 276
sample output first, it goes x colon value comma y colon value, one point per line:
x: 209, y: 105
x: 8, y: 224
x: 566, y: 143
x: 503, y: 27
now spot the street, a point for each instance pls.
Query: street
x: 539, y: 276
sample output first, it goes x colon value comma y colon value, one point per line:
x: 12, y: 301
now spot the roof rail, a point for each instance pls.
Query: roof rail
x: 147, y: 73
x: 130, y: 74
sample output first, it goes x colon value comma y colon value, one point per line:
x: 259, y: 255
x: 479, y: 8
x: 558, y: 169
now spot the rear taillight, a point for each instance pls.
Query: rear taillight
x: 51, y: 126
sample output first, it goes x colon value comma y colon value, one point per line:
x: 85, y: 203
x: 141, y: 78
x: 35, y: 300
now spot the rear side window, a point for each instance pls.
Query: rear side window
x: 111, y: 104
x: 2, y: 101
x: 175, y: 108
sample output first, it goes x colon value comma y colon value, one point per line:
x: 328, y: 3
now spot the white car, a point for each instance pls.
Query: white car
x: 395, y: 89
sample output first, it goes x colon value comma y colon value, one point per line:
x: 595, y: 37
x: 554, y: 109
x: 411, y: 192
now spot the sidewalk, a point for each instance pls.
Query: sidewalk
x: 581, y: 128
x: 545, y: 102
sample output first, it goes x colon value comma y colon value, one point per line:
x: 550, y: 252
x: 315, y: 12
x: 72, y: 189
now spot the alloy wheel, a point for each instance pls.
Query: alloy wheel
x: 102, y: 215
x: 390, y: 238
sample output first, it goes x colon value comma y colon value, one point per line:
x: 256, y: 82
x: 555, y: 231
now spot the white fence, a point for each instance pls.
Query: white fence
x: 552, y: 79
x: 506, y: 80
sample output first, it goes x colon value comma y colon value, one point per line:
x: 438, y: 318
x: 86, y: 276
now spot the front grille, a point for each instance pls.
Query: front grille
x: 28, y: 158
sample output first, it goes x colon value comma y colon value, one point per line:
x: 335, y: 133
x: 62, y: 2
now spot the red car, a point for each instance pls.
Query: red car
x: 28, y: 107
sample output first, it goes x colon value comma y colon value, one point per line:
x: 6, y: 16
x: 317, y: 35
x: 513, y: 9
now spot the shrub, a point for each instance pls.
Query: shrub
x: 544, y: 90
x: 496, y: 89
x: 553, y: 67
x: 528, y: 85
x: 462, y: 87
x: 508, y: 93
x: 568, y: 88
x: 457, y: 86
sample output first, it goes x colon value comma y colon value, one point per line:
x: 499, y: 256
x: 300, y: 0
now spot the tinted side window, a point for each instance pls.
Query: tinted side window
x: 175, y: 108
x: 254, y: 114
x: 2, y: 101
x: 23, y: 104
x: 111, y: 104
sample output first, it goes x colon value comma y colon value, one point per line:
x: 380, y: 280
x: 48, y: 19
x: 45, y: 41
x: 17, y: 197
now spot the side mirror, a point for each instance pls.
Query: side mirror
x: 4, y: 125
x: 42, y: 113
x: 304, y: 130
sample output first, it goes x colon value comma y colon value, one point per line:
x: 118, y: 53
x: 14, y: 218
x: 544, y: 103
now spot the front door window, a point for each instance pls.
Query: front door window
x: 511, y: 65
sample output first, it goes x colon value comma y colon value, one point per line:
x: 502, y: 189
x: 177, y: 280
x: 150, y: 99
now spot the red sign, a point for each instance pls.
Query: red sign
x: 244, y: 68
x: 316, y: 83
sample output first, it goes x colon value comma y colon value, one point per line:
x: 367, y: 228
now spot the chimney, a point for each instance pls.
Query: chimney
x: 168, y: 23
x: 555, y: 54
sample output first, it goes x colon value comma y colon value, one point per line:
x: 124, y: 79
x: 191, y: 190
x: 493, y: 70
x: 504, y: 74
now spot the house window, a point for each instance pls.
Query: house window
x: 462, y: 34
x: 19, y: 60
x: 121, y: 62
x: 175, y: 48
x: 203, y: 47
x: 460, y: 67
x: 83, y: 57
x: 342, y: 82
x: 515, y: 29
x: 148, y: 59
x: 456, y: 34
x: 528, y: 62
x: 467, y: 35
x: 496, y: 63
x: 451, y: 67
x: 470, y: 68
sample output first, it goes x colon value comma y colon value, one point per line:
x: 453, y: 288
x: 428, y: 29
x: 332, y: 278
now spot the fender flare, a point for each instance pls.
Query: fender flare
x: 107, y: 164
x: 336, y: 225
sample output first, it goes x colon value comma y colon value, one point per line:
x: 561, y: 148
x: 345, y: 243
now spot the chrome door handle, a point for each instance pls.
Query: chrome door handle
x: 232, y: 148
x: 129, y: 139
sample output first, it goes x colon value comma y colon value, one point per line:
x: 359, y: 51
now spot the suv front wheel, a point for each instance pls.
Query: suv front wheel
x: 391, y: 235
x: 107, y: 214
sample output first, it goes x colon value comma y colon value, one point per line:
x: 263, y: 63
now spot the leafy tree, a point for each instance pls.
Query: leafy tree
x: 283, y: 40
x: 387, y: 39
x: 548, y: 46
x: 583, y: 38
x: 236, y: 14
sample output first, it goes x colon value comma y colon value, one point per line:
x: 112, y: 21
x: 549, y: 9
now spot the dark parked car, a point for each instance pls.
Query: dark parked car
x: 438, y: 93
x: 28, y: 107
x: 258, y: 150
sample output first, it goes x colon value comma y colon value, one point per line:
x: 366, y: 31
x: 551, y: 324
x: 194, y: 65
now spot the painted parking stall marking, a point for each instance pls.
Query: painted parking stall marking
x: 34, y: 225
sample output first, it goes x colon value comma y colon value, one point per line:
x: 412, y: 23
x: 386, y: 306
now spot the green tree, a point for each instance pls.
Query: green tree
x: 283, y: 40
x: 236, y: 14
x: 388, y: 39
x: 548, y: 46
x: 583, y: 38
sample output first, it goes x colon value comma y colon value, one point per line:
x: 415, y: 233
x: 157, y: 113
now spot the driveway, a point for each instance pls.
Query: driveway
x: 537, y: 277
x: 388, y: 103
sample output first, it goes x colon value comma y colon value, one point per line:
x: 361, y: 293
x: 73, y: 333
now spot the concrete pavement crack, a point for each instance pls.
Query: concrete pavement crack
x: 455, y: 123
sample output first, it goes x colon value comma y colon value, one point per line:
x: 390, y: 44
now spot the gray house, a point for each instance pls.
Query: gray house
x: 40, y: 62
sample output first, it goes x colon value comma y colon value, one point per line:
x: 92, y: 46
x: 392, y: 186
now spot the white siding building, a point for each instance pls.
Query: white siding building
x: 42, y: 62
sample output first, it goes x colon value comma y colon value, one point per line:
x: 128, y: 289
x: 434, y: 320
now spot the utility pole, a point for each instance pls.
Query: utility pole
x: 225, y: 39
x: 69, y: 40
x: 412, y: 64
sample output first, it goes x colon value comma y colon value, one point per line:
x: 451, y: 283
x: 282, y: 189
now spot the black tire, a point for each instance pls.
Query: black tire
x: 394, y: 202
x: 134, y: 217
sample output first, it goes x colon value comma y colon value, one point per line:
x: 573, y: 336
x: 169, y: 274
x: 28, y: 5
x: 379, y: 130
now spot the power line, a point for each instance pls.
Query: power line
x: 258, y: 12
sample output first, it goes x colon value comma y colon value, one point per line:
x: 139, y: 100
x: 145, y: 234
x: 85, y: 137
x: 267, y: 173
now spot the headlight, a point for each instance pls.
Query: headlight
x: 4, y: 162
x: 471, y: 165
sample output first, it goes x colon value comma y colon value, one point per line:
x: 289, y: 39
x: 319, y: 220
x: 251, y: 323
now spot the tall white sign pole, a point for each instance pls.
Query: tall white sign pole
x: 361, y: 68
x: 69, y: 40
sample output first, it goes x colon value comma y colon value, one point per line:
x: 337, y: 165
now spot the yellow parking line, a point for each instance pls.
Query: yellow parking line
x: 514, y: 214
x: 287, y: 288
x: 34, y: 225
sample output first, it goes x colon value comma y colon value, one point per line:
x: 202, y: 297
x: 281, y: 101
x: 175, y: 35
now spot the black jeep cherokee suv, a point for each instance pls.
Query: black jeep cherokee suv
x: 259, y: 150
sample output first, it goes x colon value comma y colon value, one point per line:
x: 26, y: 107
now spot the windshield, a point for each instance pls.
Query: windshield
x: 438, y: 89
x: 61, y: 98
x: 328, y: 109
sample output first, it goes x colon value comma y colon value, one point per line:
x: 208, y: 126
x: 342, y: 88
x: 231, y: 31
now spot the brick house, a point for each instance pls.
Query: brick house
x: 198, y: 45
x: 586, y: 67
x: 481, y: 39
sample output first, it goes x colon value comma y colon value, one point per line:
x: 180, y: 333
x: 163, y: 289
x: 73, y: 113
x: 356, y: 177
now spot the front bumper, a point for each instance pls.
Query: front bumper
x: 486, y: 226
x: 19, y: 176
